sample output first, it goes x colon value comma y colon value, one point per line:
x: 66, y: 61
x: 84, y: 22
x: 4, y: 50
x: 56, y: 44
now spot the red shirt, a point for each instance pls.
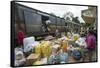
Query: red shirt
x: 20, y: 37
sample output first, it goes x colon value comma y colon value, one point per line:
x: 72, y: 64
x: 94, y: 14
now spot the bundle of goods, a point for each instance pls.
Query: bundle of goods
x: 18, y: 49
x: 81, y: 42
x: 29, y: 43
x: 72, y: 40
x: 44, y: 60
x: 76, y: 45
x: 63, y: 56
x: 32, y: 58
x: 67, y: 44
x: 51, y: 59
x: 48, y: 38
x: 54, y: 58
x: 44, y: 48
x: 69, y: 35
x: 64, y: 45
x: 68, y: 38
x: 75, y: 48
x: 19, y: 58
x: 55, y: 48
x: 59, y: 57
x: 37, y: 63
x: 76, y: 54
x: 75, y: 37
x: 63, y: 38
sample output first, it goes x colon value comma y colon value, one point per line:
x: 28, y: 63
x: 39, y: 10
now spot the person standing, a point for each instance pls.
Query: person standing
x: 20, y: 37
x: 91, y: 43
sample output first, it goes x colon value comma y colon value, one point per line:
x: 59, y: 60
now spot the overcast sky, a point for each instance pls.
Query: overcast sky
x: 58, y: 10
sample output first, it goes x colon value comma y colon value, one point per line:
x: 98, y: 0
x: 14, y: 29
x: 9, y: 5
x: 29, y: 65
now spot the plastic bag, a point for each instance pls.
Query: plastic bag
x: 29, y: 43
x: 76, y: 54
x: 75, y: 37
x: 19, y: 58
x: 50, y: 59
x: 81, y: 42
x: 64, y: 57
x: 46, y: 49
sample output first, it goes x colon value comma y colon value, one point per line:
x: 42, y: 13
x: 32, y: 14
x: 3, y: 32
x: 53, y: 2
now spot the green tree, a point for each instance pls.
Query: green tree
x: 68, y: 16
x: 75, y: 19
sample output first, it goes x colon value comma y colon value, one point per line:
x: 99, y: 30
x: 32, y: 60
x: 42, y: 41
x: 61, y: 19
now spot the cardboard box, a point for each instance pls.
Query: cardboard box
x: 32, y: 58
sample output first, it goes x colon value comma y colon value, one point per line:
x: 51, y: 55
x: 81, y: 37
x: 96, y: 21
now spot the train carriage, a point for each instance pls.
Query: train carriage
x: 38, y: 23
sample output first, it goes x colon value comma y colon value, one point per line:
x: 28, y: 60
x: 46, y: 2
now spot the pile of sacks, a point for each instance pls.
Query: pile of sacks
x: 44, y: 49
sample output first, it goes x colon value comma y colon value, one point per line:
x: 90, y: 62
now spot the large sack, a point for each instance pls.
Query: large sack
x: 75, y: 37
x: 19, y: 58
x: 46, y: 49
x: 76, y: 54
x: 81, y: 42
x: 29, y: 43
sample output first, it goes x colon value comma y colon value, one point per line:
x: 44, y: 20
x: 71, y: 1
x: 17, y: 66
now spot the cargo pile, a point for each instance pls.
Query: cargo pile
x: 53, y: 50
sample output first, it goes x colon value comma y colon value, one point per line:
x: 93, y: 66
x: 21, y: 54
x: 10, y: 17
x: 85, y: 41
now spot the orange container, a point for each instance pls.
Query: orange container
x: 64, y: 45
